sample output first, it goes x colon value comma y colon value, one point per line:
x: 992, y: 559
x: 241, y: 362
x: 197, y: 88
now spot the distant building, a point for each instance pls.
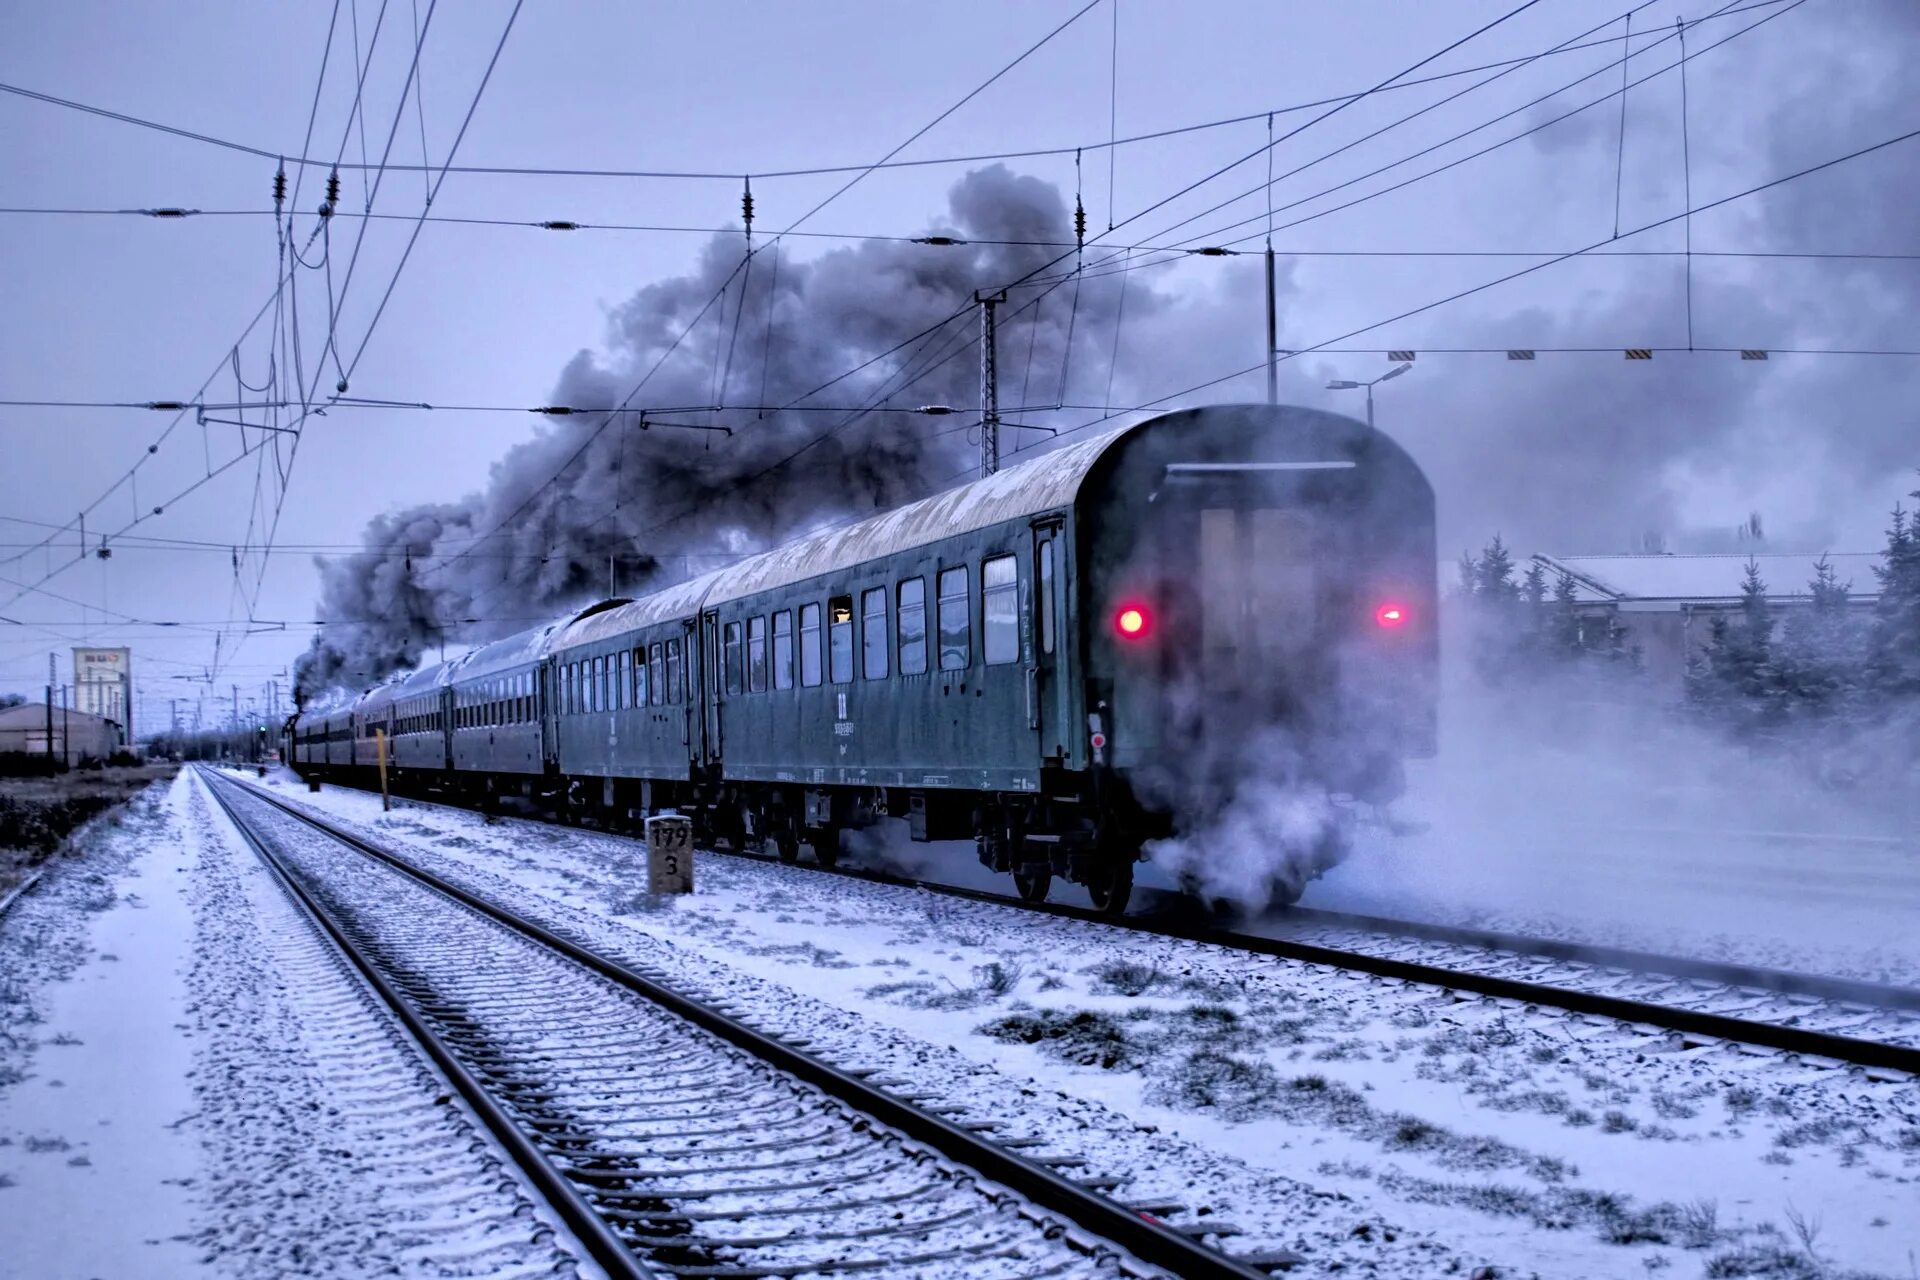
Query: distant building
x: 77, y: 735
x: 103, y: 685
x: 1667, y: 603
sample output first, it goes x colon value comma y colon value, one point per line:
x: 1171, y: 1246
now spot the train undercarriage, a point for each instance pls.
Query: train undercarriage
x: 1064, y: 832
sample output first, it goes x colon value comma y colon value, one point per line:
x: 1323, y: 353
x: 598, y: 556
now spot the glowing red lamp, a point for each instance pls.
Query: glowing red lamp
x: 1391, y: 615
x: 1132, y: 622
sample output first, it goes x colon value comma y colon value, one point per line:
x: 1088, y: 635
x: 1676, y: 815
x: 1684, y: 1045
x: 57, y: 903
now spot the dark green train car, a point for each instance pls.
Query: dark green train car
x: 1061, y: 662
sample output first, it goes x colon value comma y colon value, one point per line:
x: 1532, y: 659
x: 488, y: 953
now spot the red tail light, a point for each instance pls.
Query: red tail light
x: 1132, y: 621
x: 1391, y: 614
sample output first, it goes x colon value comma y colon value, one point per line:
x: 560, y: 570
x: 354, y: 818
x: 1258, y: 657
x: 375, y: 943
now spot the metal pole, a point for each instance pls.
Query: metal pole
x: 989, y: 382
x: 1273, y: 336
x: 380, y: 750
x: 1370, y: 406
x: 234, y: 727
x: 66, y: 731
x: 50, y: 666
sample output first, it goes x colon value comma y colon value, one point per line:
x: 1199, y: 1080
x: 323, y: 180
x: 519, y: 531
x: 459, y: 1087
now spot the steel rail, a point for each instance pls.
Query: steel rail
x: 19, y: 891
x: 1147, y: 1239
x: 593, y: 1231
x: 1688, y: 1022
x: 1878, y: 995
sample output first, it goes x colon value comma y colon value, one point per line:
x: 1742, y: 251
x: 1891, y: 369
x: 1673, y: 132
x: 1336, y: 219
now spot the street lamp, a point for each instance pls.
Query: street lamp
x: 1343, y: 384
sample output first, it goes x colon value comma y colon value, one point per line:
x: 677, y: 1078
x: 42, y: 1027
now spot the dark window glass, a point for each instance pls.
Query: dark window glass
x: 666, y: 673
x: 913, y: 626
x: 840, y: 638
x: 621, y: 665
x: 809, y: 645
x: 757, y: 654
x: 641, y: 684
x: 956, y: 628
x: 1000, y: 610
x: 873, y: 633
x: 730, y: 648
x: 783, y: 649
x: 1048, y: 614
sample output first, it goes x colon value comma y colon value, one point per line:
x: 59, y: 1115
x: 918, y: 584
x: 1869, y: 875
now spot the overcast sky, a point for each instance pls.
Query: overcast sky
x: 1569, y: 453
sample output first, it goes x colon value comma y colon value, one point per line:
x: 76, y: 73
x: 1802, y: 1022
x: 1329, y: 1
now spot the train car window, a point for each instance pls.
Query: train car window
x: 913, y: 626
x: 840, y: 639
x: 1048, y: 607
x: 873, y: 632
x: 809, y: 645
x: 956, y: 627
x: 666, y: 673
x: 1000, y: 610
x: 757, y: 654
x: 642, y: 687
x: 783, y: 649
x: 597, y: 685
x: 730, y: 650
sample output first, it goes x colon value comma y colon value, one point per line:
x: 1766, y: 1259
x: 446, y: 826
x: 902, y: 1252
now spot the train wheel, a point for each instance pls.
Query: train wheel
x: 786, y: 840
x: 1111, y: 887
x: 1033, y: 888
x: 826, y: 846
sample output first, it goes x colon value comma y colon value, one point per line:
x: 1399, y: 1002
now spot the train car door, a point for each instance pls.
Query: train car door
x: 688, y: 693
x: 1048, y: 707
x: 710, y: 685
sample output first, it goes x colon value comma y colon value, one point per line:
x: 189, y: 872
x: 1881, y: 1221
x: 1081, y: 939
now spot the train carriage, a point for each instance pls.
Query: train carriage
x: 1061, y: 661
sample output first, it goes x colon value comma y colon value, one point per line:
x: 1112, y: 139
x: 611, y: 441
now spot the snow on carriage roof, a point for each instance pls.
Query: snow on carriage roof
x: 1027, y: 489
x: 1710, y: 577
x: 507, y: 653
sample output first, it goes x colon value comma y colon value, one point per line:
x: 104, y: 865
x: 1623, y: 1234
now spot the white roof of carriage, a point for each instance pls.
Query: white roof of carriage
x: 1030, y: 488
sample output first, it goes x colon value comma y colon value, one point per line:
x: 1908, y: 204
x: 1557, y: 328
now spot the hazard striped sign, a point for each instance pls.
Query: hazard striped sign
x: 1400, y: 355
x: 1639, y: 353
x: 1520, y: 355
x: 1750, y: 354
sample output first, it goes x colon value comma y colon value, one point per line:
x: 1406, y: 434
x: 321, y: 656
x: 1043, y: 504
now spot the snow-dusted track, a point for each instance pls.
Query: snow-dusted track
x: 1859, y: 1024
x: 1696, y: 999
x: 704, y: 1146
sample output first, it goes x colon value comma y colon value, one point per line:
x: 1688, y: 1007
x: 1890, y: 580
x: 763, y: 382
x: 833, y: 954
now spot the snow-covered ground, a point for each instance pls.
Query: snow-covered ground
x: 192, y: 1082
x: 1280, y: 1096
x: 1593, y: 824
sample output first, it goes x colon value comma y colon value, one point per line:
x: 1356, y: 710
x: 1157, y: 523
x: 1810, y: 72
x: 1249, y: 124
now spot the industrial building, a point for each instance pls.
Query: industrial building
x: 77, y: 735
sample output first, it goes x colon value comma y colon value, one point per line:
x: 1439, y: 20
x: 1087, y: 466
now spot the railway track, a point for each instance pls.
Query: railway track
x: 673, y: 1138
x: 1866, y: 1025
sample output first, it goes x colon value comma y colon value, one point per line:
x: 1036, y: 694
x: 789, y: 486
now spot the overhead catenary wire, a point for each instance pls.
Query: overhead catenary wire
x: 732, y: 174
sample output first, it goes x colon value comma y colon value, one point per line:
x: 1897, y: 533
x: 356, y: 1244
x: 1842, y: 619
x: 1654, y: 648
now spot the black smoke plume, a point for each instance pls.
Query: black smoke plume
x: 664, y: 503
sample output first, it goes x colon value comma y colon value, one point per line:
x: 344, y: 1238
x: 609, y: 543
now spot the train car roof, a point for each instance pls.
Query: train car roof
x: 1044, y: 484
x: 509, y: 653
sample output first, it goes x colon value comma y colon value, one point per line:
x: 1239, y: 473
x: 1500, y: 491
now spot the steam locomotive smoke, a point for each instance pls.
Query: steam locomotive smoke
x: 663, y: 502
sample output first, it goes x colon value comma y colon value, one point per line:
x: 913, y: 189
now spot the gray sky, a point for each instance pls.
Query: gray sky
x: 1571, y: 452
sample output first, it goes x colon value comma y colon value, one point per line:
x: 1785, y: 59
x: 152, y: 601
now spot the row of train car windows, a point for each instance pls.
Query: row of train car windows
x: 751, y: 666
x: 645, y: 676
x: 760, y: 652
x: 500, y: 701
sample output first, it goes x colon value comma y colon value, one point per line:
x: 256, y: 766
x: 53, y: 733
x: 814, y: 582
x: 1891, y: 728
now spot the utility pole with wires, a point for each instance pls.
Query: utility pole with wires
x: 989, y: 381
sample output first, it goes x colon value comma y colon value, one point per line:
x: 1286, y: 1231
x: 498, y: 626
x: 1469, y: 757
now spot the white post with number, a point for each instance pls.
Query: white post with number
x: 669, y: 854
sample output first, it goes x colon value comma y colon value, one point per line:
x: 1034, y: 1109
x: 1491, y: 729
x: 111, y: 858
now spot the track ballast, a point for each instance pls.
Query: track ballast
x: 673, y: 1138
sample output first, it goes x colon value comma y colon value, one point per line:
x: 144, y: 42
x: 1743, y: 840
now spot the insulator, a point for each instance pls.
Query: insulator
x: 939, y: 240
x: 340, y: 387
x: 1079, y: 221
x: 280, y: 186
x: 559, y: 224
x: 746, y: 207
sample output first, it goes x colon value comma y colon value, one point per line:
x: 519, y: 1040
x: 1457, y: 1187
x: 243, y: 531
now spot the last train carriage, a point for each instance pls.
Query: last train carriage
x: 1061, y: 661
